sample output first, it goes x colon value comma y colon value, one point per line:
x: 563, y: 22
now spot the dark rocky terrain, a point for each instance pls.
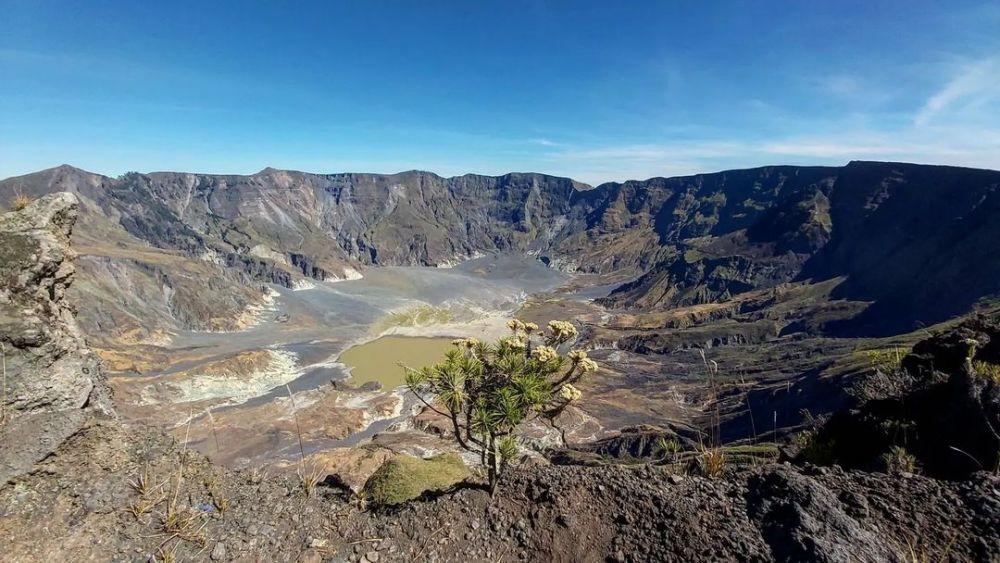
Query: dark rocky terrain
x: 77, y: 505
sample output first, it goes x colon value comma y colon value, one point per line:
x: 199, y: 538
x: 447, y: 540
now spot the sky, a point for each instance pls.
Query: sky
x: 597, y: 91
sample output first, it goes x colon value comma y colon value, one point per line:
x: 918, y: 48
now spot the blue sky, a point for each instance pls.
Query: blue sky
x: 592, y: 90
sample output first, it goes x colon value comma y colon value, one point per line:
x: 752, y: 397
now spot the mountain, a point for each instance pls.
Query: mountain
x: 908, y: 244
x: 790, y: 259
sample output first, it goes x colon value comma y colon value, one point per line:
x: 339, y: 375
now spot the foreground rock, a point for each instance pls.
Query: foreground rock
x: 51, y: 379
x: 79, y: 505
x: 941, y: 406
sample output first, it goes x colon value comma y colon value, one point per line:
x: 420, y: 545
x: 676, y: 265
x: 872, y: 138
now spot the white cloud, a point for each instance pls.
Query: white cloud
x: 973, y: 86
x: 951, y: 144
x: 543, y: 142
x: 959, y: 124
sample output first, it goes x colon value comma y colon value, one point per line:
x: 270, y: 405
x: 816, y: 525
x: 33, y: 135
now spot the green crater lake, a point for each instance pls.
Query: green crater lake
x: 379, y: 359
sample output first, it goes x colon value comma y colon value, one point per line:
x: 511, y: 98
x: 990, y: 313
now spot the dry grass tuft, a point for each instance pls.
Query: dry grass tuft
x: 215, y: 432
x: 987, y: 370
x: 917, y: 552
x: 310, y: 475
x: 143, y: 506
x: 19, y: 201
x: 165, y: 555
x: 219, y: 500
x: 256, y: 475
x: 179, y: 521
x: 360, y: 501
x: 898, y: 460
x: 184, y: 522
x: 150, y: 494
x: 216, y: 493
x: 712, y: 462
x: 143, y: 484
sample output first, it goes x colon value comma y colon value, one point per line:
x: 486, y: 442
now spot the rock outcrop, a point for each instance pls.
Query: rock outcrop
x: 942, y: 406
x: 51, y: 379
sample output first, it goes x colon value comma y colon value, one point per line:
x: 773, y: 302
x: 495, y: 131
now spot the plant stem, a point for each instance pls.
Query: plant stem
x: 298, y: 429
x: 3, y: 401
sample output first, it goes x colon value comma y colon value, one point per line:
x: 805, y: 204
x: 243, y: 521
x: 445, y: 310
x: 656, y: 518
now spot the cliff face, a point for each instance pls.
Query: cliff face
x: 921, y: 242
x: 51, y: 379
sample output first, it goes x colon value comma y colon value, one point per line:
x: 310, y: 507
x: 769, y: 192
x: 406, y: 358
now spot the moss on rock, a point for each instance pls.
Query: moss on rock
x: 405, y: 477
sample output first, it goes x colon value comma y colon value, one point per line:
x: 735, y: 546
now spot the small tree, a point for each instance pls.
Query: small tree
x: 487, y: 390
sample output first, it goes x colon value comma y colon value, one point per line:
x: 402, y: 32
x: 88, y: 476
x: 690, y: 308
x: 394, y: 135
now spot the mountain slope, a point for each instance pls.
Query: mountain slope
x: 921, y: 242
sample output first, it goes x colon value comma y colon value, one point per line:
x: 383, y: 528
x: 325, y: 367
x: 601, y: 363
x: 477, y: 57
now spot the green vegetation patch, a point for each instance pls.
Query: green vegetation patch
x: 987, y: 370
x: 405, y: 477
x: 692, y: 255
x: 898, y: 460
x: 886, y: 360
x: 815, y: 449
x: 423, y: 315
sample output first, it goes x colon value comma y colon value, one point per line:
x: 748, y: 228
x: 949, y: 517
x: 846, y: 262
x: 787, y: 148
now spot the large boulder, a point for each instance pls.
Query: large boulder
x: 802, y: 520
x: 51, y: 380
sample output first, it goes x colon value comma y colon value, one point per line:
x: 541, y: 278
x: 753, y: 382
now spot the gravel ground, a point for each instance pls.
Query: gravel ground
x: 78, y: 505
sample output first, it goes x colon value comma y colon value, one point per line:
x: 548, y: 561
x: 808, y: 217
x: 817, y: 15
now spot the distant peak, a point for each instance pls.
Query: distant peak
x: 68, y: 168
x: 64, y: 169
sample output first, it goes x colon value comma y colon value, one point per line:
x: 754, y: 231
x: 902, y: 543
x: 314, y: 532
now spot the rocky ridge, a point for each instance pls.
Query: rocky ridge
x: 682, y: 241
x: 604, y: 513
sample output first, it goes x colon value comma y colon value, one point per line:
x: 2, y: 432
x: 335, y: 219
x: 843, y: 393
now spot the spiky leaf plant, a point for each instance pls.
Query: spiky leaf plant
x: 487, y: 390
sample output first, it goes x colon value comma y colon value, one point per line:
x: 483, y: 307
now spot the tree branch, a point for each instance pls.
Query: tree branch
x: 451, y: 416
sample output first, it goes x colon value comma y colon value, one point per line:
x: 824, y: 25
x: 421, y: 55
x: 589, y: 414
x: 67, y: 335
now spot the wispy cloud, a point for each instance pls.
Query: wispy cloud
x: 973, y: 86
x: 855, y: 89
x: 543, y: 142
x: 957, y: 124
x: 931, y: 145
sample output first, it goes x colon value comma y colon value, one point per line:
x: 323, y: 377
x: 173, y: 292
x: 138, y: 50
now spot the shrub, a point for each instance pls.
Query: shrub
x: 487, y: 390
x: 667, y: 448
x: 898, y: 460
x: 815, y: 449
